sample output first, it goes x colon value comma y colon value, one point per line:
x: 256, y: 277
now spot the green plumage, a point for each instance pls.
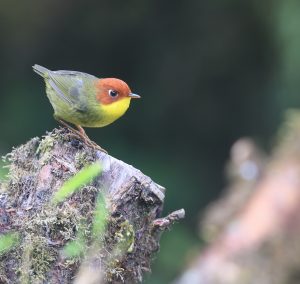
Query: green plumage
x: 72, y: 95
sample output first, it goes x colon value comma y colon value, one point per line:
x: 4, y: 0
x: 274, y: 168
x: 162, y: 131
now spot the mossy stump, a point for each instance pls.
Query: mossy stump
x: 133, y: 227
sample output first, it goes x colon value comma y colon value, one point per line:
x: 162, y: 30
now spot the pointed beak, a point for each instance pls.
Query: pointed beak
x: 134, y: 96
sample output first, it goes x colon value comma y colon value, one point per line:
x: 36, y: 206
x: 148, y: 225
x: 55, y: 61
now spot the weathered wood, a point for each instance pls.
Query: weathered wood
x: 134, y: 203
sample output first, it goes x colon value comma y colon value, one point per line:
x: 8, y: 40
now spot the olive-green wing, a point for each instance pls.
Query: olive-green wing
x: 70, y: 86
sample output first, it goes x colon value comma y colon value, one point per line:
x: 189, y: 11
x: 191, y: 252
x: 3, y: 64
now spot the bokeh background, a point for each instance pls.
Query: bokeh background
x: 208, y: 71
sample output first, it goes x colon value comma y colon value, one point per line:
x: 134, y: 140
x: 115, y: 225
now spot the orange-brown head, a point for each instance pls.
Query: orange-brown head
x: 110, y: 90
x: 114, y: 97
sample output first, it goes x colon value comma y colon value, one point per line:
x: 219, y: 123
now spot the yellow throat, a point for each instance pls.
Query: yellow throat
x: 113, y: 111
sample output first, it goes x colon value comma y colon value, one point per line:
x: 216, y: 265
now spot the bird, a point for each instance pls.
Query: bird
x: 85, y: 100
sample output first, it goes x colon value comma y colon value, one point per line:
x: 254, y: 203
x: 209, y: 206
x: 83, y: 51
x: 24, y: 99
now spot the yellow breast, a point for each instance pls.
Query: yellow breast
x: 113, y: 111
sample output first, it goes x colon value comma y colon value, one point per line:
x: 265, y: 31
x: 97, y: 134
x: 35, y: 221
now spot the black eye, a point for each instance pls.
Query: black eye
x: 113, y: 93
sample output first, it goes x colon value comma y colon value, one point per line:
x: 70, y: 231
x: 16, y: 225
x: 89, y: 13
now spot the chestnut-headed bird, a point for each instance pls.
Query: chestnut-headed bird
x: 85, y: 100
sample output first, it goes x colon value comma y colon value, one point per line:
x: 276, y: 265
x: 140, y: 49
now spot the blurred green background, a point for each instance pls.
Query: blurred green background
x: 208, y: 72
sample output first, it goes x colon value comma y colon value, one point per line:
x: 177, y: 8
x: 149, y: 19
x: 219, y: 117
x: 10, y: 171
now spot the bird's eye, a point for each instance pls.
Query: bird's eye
x: 113, y: 93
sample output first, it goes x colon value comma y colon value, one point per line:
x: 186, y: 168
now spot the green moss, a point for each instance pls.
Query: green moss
x: 82, y: 159
x: 8, y: 241
x: 36, y: 259
x: 51, y: 227
x: 125, y: 237
x: 44, y: 149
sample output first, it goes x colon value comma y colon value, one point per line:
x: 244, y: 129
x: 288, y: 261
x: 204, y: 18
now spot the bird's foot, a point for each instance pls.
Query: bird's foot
x: 80, y: 133
x: 86, y: 140
x: 93, y: 144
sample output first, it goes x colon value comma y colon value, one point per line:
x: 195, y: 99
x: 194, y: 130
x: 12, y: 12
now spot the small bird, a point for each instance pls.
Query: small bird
x: 85, y: 100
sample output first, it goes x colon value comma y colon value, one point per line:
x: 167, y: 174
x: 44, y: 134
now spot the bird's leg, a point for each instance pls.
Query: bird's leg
x: 81, y: 130
x: 81, y: 134
x: 63, y: 123
x: 74, y: 132
x: 88, y: 140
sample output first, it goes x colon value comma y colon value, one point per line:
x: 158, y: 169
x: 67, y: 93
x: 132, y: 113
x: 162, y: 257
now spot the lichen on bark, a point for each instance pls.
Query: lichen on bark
x: 134, y: 203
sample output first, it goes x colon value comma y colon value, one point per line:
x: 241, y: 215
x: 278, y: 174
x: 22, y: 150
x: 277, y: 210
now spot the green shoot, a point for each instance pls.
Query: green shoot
x: 100, y: 216
x: 75, y: 248
x: 7, y: 241
x: 83, y: 177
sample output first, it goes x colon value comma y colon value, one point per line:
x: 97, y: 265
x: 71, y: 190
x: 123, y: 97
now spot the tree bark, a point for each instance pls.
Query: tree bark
x: 133, y: 201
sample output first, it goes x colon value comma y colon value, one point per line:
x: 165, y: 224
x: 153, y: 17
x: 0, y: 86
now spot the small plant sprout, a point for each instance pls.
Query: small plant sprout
x: 8, y: 241
x: 83, y: 177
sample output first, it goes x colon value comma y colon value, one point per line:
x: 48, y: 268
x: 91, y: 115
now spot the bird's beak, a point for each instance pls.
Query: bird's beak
x: 134, y: 96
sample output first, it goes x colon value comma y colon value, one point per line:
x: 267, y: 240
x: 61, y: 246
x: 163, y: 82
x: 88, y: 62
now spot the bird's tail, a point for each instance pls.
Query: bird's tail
x: 42, y: 71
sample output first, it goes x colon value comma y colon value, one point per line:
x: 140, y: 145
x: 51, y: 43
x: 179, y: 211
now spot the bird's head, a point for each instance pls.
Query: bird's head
x: 111, y: 90
x: 114, y: 97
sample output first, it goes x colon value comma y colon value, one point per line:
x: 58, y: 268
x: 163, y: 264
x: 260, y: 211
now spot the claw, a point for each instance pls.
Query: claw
x: 80, y: 133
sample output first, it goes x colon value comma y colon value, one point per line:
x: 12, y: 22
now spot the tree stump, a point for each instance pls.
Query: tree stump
x: 133, y: 227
